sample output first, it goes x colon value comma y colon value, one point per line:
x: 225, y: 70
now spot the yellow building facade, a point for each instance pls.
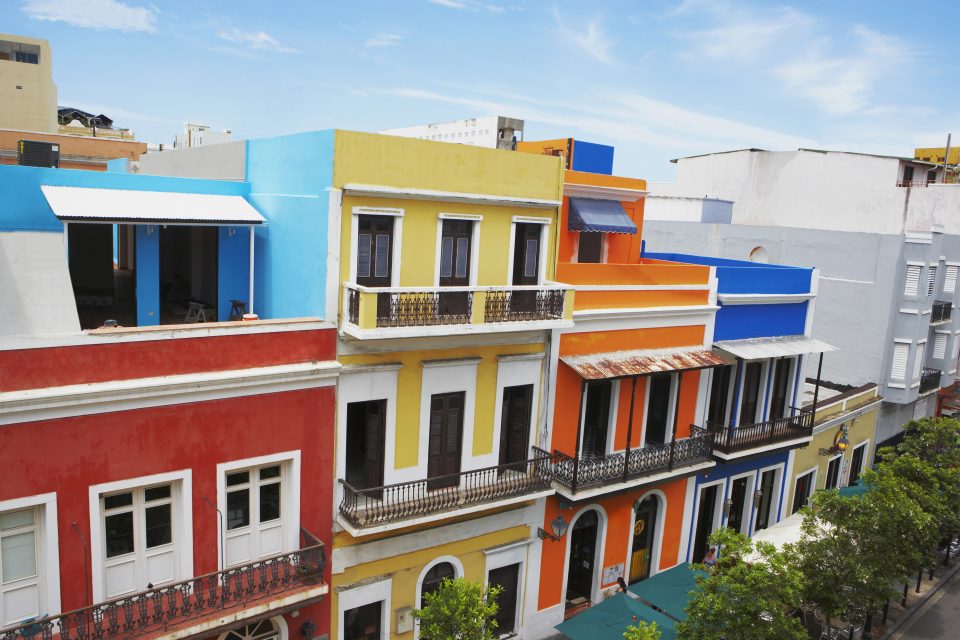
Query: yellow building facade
x: 27, y: 91
x: 937, y: 154
x: 444, y: 259
x: 842, y: 447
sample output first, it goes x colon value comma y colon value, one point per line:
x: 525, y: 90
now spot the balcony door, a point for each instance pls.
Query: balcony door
x: 363, y: 623
x: 583, y: 558
x: 738, y: 502
x: 515, y: 426
x: 455, y: 247
x: 446, y: 437
x: 750, y: 396
x: 366, y: 437
x: 719, y: 395
x: 526, y: 266
x: 781, y: 380
x: 658, y: 409
x: 508, y: 579
x: 768, y: 483
x: 706, y: 513
x: 596, y: 419
x: 375, y: 257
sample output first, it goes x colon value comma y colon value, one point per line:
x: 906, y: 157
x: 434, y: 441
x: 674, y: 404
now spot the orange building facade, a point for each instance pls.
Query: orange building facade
x: 628, y: 390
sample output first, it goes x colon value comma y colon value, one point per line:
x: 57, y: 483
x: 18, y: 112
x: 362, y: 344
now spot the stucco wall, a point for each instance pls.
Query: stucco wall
x: 225, y: 161
x: 27, y: 92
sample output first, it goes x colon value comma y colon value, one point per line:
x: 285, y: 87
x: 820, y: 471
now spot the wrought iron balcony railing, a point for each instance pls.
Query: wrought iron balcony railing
x: 381, y: 307
x: 403, y: 501
x: 930, y: 380
x: 940, y: 312
x: 730, y: 439
x: 581, y: 473
x: 175, y: 607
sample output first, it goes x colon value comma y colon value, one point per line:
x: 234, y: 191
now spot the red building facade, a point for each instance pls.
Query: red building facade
x: 181, y: 475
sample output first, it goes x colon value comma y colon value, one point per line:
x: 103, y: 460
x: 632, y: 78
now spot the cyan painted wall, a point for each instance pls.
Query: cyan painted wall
x: 233, y: 268
x: 290, y: 177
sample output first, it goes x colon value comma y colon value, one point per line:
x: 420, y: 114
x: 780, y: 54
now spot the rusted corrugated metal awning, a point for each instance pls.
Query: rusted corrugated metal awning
x: 641, y: 362
x: 773, y: 347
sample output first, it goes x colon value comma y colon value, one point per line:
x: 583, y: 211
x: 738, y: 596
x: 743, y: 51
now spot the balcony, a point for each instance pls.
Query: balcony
x: 929, y: 380
x: 589, y: 475
x: 398, y: 505
x: 940, y: 313
x: 730, y: 441
x: 200, y: 607
x: 416, y: 311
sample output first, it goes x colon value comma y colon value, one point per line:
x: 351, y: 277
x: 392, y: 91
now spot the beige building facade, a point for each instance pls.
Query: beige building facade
x: 27, y: 91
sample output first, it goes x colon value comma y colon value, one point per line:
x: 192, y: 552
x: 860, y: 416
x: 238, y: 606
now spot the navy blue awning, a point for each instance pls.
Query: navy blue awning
x: 587, y: 214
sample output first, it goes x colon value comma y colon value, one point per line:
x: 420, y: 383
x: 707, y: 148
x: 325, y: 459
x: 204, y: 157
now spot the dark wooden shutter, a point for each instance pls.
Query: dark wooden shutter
x: 508, y: 578
x: 446, y: 427
x: 515, y: 424
x: 374, y: 440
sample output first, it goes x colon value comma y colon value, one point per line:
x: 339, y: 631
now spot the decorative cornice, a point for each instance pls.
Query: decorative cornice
x: 382, y: 191
x: 599, y: 192
x: 764, y: 298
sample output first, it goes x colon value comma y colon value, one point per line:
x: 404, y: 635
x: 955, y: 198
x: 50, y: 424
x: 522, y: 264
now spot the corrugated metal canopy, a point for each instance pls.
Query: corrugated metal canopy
x: 641, y: 362
x: 773, y: 347
x: 587, y: 214
x: 119, y: 205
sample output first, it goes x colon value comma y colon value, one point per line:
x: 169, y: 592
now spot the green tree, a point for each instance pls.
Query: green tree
x: 643, y: 630
x: 748, y: 596
x: 459, y: 610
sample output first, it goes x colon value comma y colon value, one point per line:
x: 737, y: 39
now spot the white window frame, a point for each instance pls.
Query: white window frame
x: 906, y: 292
x: 671, y: 409
x: 741, y: 377
x: 397, y: 239
x: 474, y: 244
x: 289, y: 462
x: 731, y: 385
x: 717, y: 511
x: 813, y: 484
x: 604, y: 247
x: 458, y: 572
x: 48, y: 543
x: 379, y: 591
x: 945, y: 335
x: 774, y: 518
x: 182, y: 512
x: 544, y: 236
x: 791, y: 380
x: 747, y: 515
x: 865, y: 463
x: 599, y: 552
x: 513, y: 371
x: 900, y: 381
x: 279, y: 621
x: 445, y: 376
x: 612, y: 412
x: 955, y: 267
x: 840, y: 474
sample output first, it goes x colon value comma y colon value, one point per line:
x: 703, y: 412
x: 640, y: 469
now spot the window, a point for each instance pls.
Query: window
x: 435, y: 577
x: 898, y: 364
x: 856, y: 463
x: 802, y: 489
x: 254, y: 513
x: 833, y: 473
x: 590, y: 247
x: 17, y: 52
x: 139, y: 538
x: 596, y: 418
x: 931, y: 279
x: 374, y: 250
x: 263, y: 630
x: 363, y: 622
x: 912, y: 283
x: 455, y: 240
x: 21, y: 589
x: 781, y: 378
x: 921, y: 409
x: 749, y: 404
x: 950, y: 278
x: 940, y: 345
x: 918, y: 360
x: 719, y: 392
x: 658, y: 409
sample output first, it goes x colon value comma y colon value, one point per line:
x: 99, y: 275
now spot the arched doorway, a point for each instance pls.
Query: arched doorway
x: 269, y: 629
x: 644, y: 530
x: 435, y: 577
x: 583, y: 558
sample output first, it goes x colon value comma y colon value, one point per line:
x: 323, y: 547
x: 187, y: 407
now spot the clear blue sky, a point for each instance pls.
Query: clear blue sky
x: 656, y: 78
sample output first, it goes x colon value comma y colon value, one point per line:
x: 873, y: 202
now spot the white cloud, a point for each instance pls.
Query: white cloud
x: 746, y: 39
x: 589, y: 37
x: 383, y: 40
x: 93, y: 14
x: 843, y: 84
x: 469, y: 5
x: 254, y: 40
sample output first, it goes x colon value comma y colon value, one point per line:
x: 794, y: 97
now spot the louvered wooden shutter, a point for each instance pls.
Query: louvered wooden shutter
x: 955, y: 353
x: 918, y: 360
x: 912, y: 283
x: 920, y: 408
x: 931, y: 279
x: 950, y: 279
x: 940, y: 346
x: 898, y: 367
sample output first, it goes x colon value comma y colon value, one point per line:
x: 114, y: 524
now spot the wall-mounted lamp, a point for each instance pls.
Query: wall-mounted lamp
x: 757, y: 497
x: 840, y: 442
x: 558, y: 526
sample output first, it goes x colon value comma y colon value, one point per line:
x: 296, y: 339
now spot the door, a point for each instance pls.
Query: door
x: 643, y: 530
x: 768, y: 482
x: 446, y: 433
x: 658, y: 409
x: 508, y: 579
x: 596, y: 419
x: 781, y: 378
x: 254, y: 514
x: 705, y: 516
x: 366, y: 435
x: 856, y: 464
x: 738, y: 502
x: 833, y: 473
x: 801, y: 492
x: 363, y: 623
x: 375, y: 257
x: 751, y: 393
x: 590, y: 247
x: 719, y: 395
x: 515, y: 427
x: 455, y: 241
x: 21, y: 566
x: 583, y: 547
x: 526, y: 266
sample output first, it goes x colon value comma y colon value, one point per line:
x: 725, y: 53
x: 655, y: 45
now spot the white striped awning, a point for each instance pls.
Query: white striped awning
x: 85, y: 204
x: 772, y: 347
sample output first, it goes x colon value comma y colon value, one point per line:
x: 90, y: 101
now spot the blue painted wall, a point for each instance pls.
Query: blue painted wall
x: 735, y: 322
x: 233, y: 268
x: 148, y: 274
x: 290, y: 177
x: 592, y: 157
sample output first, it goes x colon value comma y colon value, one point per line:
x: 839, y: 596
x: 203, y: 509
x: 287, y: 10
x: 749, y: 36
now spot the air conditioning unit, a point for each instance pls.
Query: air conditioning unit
x: 34, y: 153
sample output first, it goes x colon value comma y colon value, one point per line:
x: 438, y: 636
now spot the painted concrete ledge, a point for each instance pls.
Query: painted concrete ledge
x: 921, y: 605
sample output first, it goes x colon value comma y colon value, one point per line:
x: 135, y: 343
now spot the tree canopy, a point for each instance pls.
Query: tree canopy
x: 459, y: 610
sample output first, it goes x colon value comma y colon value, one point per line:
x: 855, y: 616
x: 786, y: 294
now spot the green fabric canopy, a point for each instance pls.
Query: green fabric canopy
x: 609, y: 619
x: 669, y: 590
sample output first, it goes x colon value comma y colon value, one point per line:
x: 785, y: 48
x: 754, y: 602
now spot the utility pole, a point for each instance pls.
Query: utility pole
x: 946, y: 160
